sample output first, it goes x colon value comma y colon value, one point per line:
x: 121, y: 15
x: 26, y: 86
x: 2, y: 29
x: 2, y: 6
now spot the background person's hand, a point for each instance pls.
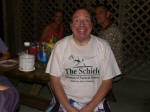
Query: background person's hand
x: 5, y: 56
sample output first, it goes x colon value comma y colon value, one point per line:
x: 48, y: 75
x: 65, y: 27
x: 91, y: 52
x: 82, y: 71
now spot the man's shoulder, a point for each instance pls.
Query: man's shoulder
x: 99, y: 40
x: 102, y: 45
x: 63, y: 42
x: 114, y: 27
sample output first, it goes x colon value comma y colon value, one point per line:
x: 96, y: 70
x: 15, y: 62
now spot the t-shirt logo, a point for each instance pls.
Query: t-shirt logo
x: 82, y: 68
x: 77, y: 61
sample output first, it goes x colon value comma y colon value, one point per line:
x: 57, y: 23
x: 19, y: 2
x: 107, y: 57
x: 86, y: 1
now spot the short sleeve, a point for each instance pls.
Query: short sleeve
x: 54, y: 65
x: 109, y: 68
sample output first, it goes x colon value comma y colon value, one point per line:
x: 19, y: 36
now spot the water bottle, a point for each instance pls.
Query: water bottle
x: 44, y: 54
x: 27, y: 45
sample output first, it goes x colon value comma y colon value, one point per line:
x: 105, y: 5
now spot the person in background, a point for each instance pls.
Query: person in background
x: 9, y: 96
x: 4, y: 53
x: 109, y: 31
x: 81, y: 68
x: 54, y: 30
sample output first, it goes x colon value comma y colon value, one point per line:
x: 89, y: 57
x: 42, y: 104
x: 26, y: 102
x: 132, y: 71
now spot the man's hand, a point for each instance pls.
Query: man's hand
x: 73, y: 110
x: 60, y: 94
x: 86, y: 109
x: 99, y: 96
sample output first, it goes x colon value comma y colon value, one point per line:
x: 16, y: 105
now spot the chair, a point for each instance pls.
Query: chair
x: 54, y: 104
x: 111, y: 96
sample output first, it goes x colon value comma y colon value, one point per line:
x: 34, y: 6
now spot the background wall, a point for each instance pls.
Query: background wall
x: 25, y: 19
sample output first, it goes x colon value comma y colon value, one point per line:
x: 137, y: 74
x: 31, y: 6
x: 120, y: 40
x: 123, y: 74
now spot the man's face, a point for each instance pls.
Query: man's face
x: 81, y: 25
x: 101, y: 15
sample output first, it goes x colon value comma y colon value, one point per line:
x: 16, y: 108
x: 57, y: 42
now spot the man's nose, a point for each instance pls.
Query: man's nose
x: 82, y: 22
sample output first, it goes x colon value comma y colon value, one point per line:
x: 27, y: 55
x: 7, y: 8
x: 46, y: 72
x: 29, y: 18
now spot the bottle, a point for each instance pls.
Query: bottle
x: 54, y: 39
x: 33, y: 49
x: 27, y: 45
x: 44, y: 55
x: 38, y: 65
x: 38, y: 51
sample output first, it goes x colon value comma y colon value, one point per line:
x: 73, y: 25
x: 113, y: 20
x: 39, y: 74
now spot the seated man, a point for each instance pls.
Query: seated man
x: 9, y: 97
x: 81, y: 68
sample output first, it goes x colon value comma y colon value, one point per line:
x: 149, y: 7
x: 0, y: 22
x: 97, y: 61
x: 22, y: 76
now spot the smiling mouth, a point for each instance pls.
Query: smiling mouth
x: 81, y: 30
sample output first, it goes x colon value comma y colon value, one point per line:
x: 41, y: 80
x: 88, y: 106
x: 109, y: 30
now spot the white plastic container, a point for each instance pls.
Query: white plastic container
x: 26, y: 62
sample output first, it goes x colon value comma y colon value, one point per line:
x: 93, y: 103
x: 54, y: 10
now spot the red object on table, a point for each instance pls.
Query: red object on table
x: 33, y: 50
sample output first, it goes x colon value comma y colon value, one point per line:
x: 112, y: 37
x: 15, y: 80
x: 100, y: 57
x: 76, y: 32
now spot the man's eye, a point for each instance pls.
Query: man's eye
x: 76, y: 20
x: 87, y: 20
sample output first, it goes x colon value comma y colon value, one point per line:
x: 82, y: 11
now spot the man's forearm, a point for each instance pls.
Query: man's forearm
x: 60, y: 94
x: 100, y: 95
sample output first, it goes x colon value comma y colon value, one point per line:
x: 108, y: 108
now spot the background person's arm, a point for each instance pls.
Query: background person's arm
x: 45, y: 33
x: 60, y: 94
x: 5, y: 55
x: 99, y: 96
x: 3, y: 87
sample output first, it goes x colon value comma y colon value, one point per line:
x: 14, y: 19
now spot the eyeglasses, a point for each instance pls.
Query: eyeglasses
x: 79, y: 21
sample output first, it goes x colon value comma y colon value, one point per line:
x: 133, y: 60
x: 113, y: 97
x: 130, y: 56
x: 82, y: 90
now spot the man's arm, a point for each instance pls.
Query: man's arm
x: 60, y: 94
x: 99, y: 96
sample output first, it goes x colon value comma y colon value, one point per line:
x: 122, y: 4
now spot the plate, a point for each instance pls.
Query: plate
x: 8, y: 63
x: 27, y: 70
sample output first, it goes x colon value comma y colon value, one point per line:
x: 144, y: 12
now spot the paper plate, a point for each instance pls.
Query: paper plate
x: 8, y: 63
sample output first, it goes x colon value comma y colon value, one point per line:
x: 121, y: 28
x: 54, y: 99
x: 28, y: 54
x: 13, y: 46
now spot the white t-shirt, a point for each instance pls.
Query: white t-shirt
x: 82, y: 68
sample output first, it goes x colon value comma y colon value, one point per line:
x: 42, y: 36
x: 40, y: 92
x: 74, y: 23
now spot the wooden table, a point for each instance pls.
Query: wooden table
x: 37, y: 78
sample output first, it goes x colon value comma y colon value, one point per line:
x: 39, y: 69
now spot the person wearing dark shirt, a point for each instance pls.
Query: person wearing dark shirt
x: 9, y: 96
